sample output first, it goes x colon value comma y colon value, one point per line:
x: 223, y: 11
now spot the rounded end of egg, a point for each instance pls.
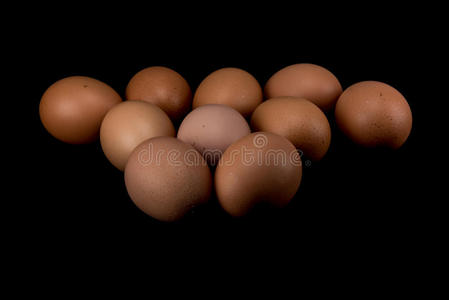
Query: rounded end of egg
x: 261, y: 167
x: 166, y: 178
x: 128, y: 124
x: 73, y: 108
x: 374, y: 114
x: 163, y: 87
x: 308, y: 81
x: 230, y: 86
x: 211, y: 129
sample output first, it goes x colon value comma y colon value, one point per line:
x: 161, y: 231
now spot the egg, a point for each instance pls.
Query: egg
x: 211, y: 129
x: 260, y: 167
x: 308, y: 81
x: 374, y: 114
x: 166, y: 178
x: 298, y: 120
x: 73, y: 108
x: 128, y: 124
x: 163, y: 87
x: 230, y: 86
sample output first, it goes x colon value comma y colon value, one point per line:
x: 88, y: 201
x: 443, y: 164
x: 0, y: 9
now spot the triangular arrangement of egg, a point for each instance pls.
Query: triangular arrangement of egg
x: 230, y: 137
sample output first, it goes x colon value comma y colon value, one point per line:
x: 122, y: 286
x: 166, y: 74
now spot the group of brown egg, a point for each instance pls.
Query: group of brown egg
x: 167, y: 172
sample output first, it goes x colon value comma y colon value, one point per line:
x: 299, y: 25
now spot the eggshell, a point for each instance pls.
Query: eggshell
x: 211, y: 129
x: 260, y: 167
x: 298, y: 120
x: 163, y: 87
x: 372, y: 113
x: 127, y: 125
x: 230, y: 86
x: 72, y: 108
x: 166, y: 177
x: 308, y: 81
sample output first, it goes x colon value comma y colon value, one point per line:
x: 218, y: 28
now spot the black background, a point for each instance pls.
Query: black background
x: 354, y: 199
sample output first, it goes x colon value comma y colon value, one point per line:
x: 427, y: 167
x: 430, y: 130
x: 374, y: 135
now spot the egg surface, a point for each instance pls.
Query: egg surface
x: 308, y: 81
x: 127, y: 125
x: 73, y: 108
x: 211, y: 129
x: 166, y: 178
x: 373, y: 114
x: 298, y: 120
x: 163, y: 87
x: 260, y: 167
x: 230, y: 86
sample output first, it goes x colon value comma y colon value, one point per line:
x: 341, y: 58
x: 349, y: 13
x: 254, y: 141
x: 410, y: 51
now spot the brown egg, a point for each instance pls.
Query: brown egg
x: 72, y: 108
x: 166, y: 177
x: 298, y: 120
x: 128, y: 124
x: 230, y: 86
x: 211, y: 129
x: 261, y: 167
x: 165, y: 88
x: 308, y: 81
x: 373, y: 114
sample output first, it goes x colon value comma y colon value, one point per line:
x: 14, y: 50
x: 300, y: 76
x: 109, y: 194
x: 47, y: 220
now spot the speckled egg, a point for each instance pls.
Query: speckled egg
x: 373, y: 113
x: 297, y: 119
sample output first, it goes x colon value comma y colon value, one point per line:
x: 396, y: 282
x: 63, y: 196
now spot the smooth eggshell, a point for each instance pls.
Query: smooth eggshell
x: 230, y: 86
x: 298, y: 120
x: 166, y: 177
x: 308, y: 81
x: 163, y: 87
x: 72, y: 108
x: 261, y: 167
x: 372, y: 113
x: 127, y: 125
x: 211, y: 129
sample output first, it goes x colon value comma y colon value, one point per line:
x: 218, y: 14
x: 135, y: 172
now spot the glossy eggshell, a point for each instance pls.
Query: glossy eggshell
x: 252, y: 170
x: 73, y: 108
x: 298, y: 120
x: 163, y: 87
x: 211, y: 129
x: 230, y: 86
x: 166, y: 178
x: 128, y: 124
x: 308, y: 81
x: 372, y: 114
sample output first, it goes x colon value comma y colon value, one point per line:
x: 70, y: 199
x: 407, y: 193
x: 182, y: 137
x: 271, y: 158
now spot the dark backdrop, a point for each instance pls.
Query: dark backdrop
x: 360, y: 197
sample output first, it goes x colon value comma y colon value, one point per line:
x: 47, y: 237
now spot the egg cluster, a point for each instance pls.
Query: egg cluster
x: 233, y: 143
